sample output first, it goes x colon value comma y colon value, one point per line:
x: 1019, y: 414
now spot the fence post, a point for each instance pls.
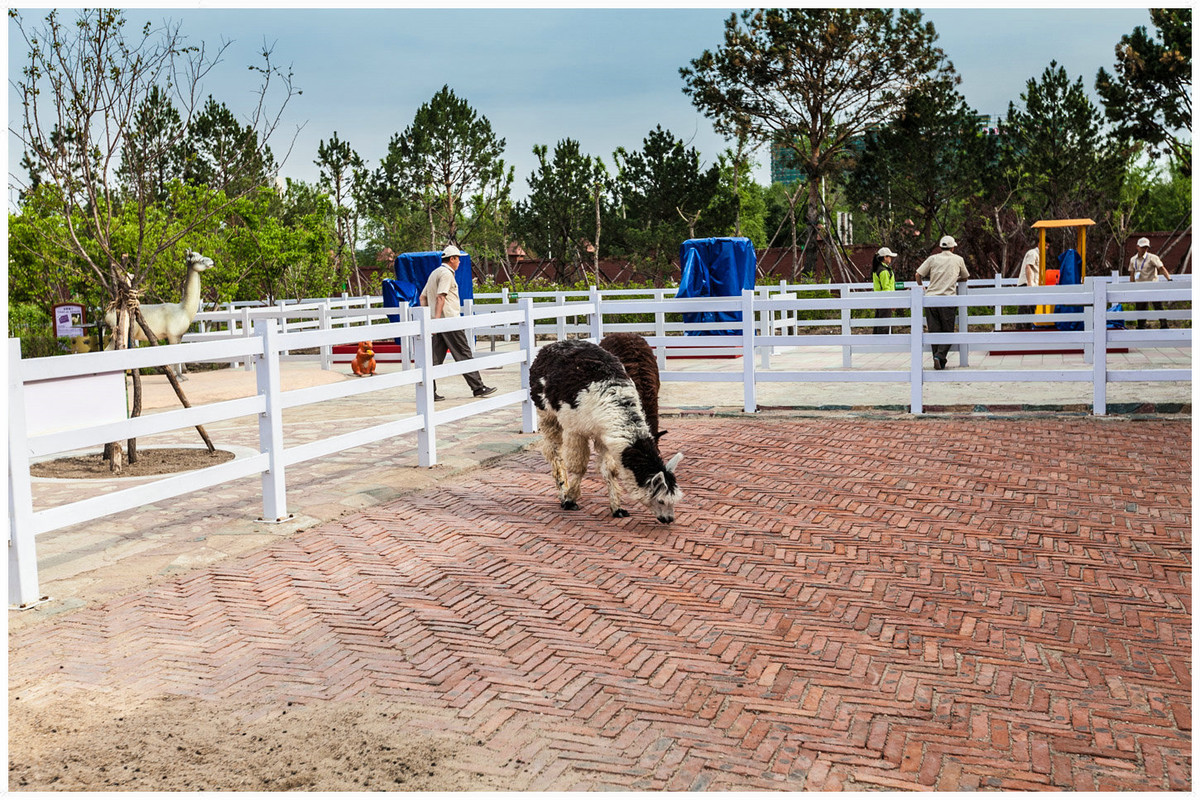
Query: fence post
x: 767, y: 323
x: 660, y: 330
x: 22, y: 549
x: 998, y: 311
x: 1099, y: 348
x: 247, y: 332
x: 406, y: 342
x: 231, y: 330
x: 1089, y: 352
x: 916, y: 345
x: 427, y: 436
x: 749, y: 392
x: 270, y: 422
x: 283, y: 325
x: 963, y: 314
x: 560, y: 299
x: 326, y: 350
x: 528, y: 344
x: 597, y: 326
x: 847, y: 349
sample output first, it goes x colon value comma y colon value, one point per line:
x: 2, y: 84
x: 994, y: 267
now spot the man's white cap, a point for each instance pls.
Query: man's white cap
x: 883, y: 251
x: 1143, y: 242
x: 947, y: 242
x: 450, y: 252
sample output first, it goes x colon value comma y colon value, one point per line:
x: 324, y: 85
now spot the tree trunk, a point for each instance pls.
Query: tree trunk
x: 170, y: 373
x: 131, y: 444
x: 596, y: 244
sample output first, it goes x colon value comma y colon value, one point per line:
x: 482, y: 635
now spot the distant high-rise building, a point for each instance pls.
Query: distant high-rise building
x: 782, y: 170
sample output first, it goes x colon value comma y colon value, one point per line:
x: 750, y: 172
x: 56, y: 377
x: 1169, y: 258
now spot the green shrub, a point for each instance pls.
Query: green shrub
x: 33, y: 325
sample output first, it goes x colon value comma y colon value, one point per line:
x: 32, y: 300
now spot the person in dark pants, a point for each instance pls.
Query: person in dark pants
x: 884, y: 280
x: 440, y: 295
x: 944, y: 270
x: 1146, y: 267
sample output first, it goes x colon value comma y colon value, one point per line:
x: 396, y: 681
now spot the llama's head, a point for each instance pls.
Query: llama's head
x: 197, y: 262
x: 659, y: 491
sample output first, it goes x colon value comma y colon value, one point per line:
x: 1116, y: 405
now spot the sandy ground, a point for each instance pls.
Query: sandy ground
x: 181, y: 744
x: 151, y: 461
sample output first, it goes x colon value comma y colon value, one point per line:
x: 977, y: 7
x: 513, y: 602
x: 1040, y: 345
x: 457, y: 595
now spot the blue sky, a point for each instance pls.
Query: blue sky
x: 604, y: 77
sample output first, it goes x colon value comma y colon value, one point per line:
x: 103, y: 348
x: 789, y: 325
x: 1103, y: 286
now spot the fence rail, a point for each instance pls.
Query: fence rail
x: 759, y: 324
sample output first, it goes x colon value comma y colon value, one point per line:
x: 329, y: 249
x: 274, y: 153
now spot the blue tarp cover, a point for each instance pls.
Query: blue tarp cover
x: 413, y: 271
x: 1070, y: 272
x: 720, y: 267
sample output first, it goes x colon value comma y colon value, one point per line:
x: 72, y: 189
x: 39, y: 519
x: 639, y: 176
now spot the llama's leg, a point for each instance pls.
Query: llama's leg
x: 611, y: 471
x: 575, y: 452
x: 552, y: 441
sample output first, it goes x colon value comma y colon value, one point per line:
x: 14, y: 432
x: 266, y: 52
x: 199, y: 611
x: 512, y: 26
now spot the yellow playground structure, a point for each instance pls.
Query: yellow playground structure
x: 1081, y: 226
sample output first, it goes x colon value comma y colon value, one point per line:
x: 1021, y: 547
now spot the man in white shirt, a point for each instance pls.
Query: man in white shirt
x: 440, y: 295
x: 944, y: 269
x: 1031, y: 275
x: 1144, y: 266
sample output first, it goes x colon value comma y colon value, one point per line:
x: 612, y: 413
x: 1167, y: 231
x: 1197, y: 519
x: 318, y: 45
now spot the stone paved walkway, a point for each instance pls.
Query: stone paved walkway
x: 949, y: 604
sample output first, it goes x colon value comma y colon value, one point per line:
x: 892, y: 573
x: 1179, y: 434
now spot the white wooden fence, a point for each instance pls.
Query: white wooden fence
x: 262, y: 338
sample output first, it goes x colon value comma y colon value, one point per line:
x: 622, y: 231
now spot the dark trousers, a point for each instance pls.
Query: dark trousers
x: 1023, y: 310
x: 882, y: 314
x: 1157, y: 306
x: 456, y: 343
x: 940, y: 320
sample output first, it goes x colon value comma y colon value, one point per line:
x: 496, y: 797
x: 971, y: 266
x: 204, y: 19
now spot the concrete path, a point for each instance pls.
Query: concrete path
x: 845, y: 602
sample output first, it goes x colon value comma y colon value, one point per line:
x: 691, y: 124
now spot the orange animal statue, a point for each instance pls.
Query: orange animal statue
x: 364, y: 362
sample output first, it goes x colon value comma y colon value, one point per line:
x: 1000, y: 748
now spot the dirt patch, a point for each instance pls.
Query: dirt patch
x: 184, y: 744
x: 151, y: 461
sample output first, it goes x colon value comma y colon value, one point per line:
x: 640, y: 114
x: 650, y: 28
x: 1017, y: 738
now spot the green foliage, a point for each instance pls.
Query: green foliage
x: 1149, y: 97
x: 738, y: 206
x: 813, y: 79
x: 1055, y: 142
x: 661, y: 194
x: 31, y: 323
x: 446, y: 155
x: 558, y: 219
x: 1158, y: 197
x: 225, y: 154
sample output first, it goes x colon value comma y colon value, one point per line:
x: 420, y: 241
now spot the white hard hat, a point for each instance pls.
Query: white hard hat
x: 1143, y: 242
x: 884, y: 252
x: 947, y: 242
x: 450, y: 252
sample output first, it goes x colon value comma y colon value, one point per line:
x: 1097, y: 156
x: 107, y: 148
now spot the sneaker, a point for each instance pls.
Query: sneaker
x: 485, y: 391
x: 438, y: 397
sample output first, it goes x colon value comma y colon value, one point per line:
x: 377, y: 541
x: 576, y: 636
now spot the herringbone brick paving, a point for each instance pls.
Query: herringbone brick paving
x: 841, y: 603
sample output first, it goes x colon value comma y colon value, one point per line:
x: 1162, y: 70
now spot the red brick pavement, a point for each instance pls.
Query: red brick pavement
x: 842, y: 603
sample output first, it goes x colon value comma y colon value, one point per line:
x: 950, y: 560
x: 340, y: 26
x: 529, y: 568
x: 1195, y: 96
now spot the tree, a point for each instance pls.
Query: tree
x: 225, y: 154
x: 814, y: 79
x: 81, y: 89
x: 341, y: 170
x: 738, y: 206
x: 913, y: 175
x: 662, y: 192
x: 1149, y: 97
x: 447, y: 154
x: 154, y: 152
x: 1055, y: 141
x: 557, y: 220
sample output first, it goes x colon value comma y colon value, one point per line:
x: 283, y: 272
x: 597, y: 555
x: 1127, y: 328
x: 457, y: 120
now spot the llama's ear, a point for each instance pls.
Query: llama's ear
x: 674, y: 462
x: 659, y: 435
x: 658, y: 484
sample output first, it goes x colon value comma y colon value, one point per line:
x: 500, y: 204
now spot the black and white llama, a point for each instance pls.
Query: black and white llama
x: 585, y: 398
x: 636, y: 355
